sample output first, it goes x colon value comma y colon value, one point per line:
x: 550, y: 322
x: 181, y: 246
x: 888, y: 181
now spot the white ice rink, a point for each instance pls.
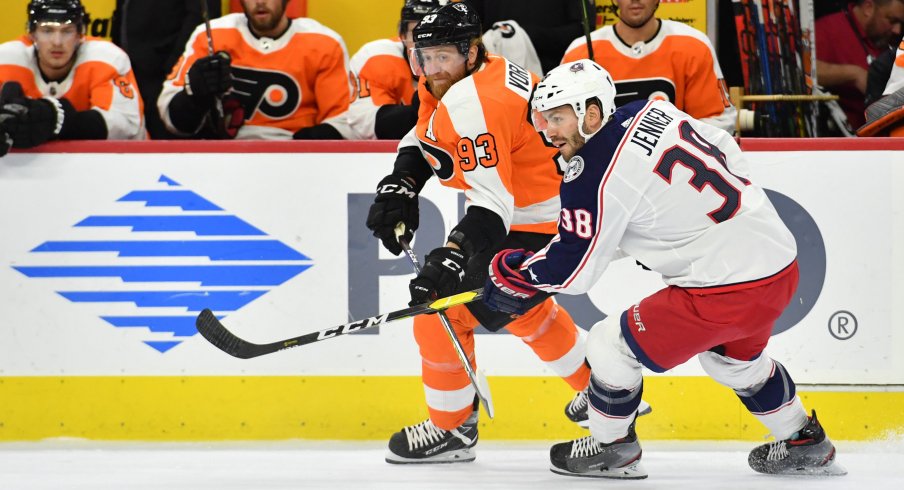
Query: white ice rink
x: 79, y: 465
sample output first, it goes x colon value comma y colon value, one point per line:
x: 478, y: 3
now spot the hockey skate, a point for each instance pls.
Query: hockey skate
x: 588, y: 457
x: 576, y: 410
x: 425, y: 443
x: 809, y: 452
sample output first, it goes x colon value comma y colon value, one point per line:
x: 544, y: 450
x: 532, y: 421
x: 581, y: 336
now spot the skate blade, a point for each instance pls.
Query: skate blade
x: 832, y: 469
x: 634, y: 471
x: 458, y: 456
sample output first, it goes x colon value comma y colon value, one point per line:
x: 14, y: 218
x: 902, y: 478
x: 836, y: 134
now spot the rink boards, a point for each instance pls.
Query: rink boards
x: 110, y: 251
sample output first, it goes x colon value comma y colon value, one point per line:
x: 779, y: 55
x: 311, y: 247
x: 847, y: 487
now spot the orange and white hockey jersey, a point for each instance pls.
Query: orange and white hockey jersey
x: 678, y: 64
x: 285, y: 84
x: 101, y: 80
x: 479, y: 139
x: 896, y: 80
x: 380, y: 75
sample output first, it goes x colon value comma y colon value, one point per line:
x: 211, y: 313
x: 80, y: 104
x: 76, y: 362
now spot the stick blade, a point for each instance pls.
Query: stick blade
x: 210, y: 328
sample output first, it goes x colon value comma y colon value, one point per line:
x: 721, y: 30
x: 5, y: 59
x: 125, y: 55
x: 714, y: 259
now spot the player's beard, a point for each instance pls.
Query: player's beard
x: 574, y: 143
x: 439, y: 87
x: 268, y: 24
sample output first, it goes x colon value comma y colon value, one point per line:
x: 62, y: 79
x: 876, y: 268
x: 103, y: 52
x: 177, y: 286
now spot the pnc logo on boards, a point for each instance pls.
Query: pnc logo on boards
x: 159, y: 256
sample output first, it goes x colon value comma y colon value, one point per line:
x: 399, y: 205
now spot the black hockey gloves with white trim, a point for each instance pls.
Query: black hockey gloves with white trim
x: 209, y: 77
x: 31, y: 122
x: 441, y: 276
x: 506, y: 289
x: 395, y: 202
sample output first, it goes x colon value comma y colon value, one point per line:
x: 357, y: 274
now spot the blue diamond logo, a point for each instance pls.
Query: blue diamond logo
x: 160, y: 257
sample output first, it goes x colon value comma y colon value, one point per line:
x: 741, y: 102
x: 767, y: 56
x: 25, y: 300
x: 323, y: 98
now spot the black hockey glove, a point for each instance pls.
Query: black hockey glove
x: 322, y: 131
x: 441, y: 276
x: 31, y: 122
x: 6, y: 141
x: 396, y: 202
x: 209, y: 77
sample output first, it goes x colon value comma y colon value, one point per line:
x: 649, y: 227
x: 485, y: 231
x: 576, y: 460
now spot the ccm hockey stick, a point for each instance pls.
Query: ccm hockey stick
x: 218, y: 335
x: 478, y: 380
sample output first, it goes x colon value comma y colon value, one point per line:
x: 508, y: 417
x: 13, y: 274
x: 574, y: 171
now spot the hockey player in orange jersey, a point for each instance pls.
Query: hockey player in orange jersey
x: 384, y: 101
x: 474, y: 132
x: 271, y: 77
x: 58, y: 84
x: 651, y: 58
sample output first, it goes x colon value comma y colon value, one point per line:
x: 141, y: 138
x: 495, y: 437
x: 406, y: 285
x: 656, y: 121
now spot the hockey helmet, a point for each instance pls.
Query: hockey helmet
x: 573, y: 84
x: 455, y: 24
x: 415, y: 10
x: 56, y: 11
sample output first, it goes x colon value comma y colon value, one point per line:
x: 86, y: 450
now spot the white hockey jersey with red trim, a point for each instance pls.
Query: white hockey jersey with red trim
x: 678, y: 65
x: 671, y: 192
x: 101, y: 80
x: 285, y: 84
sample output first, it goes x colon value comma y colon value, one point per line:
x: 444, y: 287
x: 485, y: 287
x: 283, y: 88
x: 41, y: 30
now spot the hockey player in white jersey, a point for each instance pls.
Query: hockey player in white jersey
x: 650, y: 182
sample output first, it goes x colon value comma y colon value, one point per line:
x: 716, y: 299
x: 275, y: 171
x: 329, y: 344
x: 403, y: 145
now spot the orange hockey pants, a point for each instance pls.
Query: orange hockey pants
x: 547, y: 329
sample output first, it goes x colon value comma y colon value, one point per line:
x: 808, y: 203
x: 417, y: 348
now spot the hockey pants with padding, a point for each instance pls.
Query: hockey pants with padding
x: 547, y: 329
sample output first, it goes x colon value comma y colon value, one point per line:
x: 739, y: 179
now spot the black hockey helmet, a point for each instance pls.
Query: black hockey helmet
x: 61, y: 11
x: 454, y: 23
x: 415, y: 10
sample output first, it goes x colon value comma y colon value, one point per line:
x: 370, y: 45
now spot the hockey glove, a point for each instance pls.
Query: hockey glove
x: 6, y: 141
x: 396, y: 202
x: 506, y: 289
x: 209, y: 77
x: 32, y: 122
x: 441, y: 276
x: 322, y: 131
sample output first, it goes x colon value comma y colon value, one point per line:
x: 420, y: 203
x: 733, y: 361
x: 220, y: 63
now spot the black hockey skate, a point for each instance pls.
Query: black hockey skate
x: 588, y: 457
x: 809, y: 453
x: 425, y: 443
x: 576, y: 410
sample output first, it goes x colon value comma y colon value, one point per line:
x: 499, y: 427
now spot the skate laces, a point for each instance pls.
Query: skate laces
x: 423, y: 434
x: 584, y: 447
x: 579, y: 403
x: 777, y: 450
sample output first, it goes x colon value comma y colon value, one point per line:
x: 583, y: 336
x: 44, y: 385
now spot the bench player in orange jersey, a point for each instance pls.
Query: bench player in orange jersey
x: 271, y: 77
x: 58, y: 84
x: 651, y: 58
x: 384, y: 100
x: 474, y: 134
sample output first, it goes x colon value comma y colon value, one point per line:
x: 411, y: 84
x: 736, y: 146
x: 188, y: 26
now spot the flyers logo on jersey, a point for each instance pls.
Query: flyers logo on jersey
x: 273, y: 94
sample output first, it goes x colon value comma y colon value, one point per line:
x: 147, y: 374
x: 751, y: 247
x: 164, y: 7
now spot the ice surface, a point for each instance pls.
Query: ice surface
x: 77, y: 465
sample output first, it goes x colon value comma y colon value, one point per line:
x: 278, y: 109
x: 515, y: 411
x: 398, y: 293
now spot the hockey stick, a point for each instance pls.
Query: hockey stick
x: 478, y: 380
x: 217, y: 112
x: 587, y: 30
x: 217, y: 334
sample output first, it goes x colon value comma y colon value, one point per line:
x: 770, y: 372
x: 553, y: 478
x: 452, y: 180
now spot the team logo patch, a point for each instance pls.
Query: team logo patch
x: 574, y: 169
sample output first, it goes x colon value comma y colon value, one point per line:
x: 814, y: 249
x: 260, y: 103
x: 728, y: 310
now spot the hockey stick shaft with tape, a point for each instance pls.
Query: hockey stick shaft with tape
x: 478, y: 379
x: 216, y: 333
